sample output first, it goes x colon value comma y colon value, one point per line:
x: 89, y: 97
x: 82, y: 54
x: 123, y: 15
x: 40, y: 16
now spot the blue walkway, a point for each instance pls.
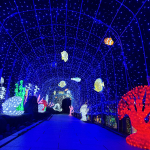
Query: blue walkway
x: 68, y: 133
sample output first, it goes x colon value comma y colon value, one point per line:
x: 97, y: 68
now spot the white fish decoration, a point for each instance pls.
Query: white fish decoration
x: 77, y: 79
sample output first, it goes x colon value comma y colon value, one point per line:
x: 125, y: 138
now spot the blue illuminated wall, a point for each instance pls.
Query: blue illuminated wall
x: 33, y: 33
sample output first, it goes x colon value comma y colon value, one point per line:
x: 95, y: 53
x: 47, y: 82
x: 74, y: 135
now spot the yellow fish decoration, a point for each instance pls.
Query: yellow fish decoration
x: 64, y: 56
x: 98, y: 85
x: 62, y: 84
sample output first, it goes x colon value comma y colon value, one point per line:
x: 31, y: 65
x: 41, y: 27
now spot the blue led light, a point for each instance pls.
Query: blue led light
x: 34, y: 33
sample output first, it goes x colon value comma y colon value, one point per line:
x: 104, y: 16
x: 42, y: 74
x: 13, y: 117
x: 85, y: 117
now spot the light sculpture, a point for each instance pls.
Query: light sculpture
x: 60, y: 92
x: 57, y: 107
x: 71, y: 110
x: 40, y: 108
x: 64, y: 56
x: 38, y: 99
x: 42, y: 104
x: 10, y: 105
x: 26, y: 96
x: 66, y: 89
x: 2, y: 89
x: 2, y: 81
x: 77, y: 79
x: 84, y: 110
x: 51, y: 104
x: 20, y: 91
x: 98, y: 85
x: 29, y: 87
x: 36, y: 89
x: 2, y: 93
x: 136, y: 104
x: 108, y: 41
x: 62, y: 84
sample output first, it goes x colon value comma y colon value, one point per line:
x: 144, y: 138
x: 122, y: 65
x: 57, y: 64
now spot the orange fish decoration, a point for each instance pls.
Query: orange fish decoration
x: 108, y: 41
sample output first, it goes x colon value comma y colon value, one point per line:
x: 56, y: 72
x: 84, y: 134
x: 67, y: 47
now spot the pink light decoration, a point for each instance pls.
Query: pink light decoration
x: 136, y: 104
x: 51, y: 104
x: 38, y: 99
x: 71, y: 110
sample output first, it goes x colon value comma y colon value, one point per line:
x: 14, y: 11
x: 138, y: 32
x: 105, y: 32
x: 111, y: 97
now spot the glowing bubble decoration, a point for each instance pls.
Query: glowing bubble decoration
x: 98, y: 85
x: 108, y: 41
x: 136, y: 104
x: 57, y: 107
x: 10, y: 105
x: 84, y: 110
x: 77, y: 79
x: 71, y: 110
x: 64, y: 56
x: 62, y: 84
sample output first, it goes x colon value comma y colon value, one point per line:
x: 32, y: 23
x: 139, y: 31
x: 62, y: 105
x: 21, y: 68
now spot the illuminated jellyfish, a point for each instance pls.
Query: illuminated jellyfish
x: 84, y: 110
x: 98, y: 85
x: 77, y: 79
x: 108, y: 41
x: 10, y: 105
x: 62, y: 84
x: 64, y: 56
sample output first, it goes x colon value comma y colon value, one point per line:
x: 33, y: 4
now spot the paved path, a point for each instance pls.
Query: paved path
x: 68, y: 133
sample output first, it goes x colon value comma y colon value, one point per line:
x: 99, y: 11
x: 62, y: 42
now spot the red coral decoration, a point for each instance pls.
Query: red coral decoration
x: 136, y: 104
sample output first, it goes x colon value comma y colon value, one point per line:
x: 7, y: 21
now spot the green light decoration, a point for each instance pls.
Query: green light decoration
x: 20, y: 91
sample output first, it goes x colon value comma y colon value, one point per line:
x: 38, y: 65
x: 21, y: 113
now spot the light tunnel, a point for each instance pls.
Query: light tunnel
x: 104, y: 39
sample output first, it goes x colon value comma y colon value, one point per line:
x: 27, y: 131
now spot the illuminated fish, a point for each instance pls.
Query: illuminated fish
x: 98, y: 85
x: 66, y: 89
x: 64, y: 56
x: 108, y: 41
x: 60, y: 92
x: 62, y: 84
x: 76, y: 79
